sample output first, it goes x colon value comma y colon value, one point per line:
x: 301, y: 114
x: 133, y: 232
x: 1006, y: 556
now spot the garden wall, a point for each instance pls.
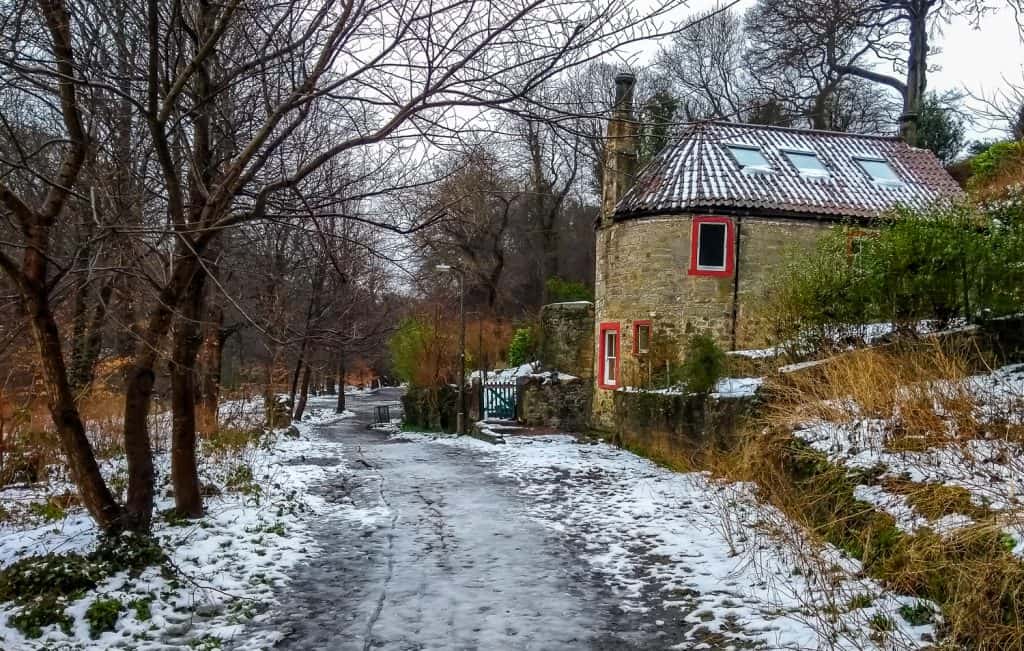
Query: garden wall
x: 559, y: 404
x: 684, y: 424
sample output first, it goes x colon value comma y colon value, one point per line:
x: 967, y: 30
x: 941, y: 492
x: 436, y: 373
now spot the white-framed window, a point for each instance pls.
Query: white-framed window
x: 641, y: 337
x: 750, y: 159
x: 711, y: 240
x: 807, y: 163
x: 880, y: 171
x: 609, y: 372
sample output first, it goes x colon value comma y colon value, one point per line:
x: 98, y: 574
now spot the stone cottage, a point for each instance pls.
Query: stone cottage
x: 687, y: 243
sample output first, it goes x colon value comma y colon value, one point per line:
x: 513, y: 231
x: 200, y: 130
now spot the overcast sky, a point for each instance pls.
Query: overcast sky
x: 970, y: 59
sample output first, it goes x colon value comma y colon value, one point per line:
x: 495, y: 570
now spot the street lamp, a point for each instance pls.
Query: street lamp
x: 460, y: 420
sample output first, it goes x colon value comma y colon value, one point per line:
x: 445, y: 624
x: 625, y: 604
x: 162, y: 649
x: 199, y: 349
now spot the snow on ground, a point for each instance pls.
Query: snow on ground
x: 730, y: 387
x: 991, y: 470
x: 228, y: 564
x: 693, y: 541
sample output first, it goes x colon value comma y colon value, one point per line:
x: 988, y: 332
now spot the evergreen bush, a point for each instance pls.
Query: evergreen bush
x: 566, y: 291
x: 523, y: 346
x: 704, y: 364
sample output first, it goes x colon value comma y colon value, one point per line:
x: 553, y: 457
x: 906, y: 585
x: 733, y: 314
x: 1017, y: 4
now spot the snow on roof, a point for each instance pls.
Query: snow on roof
x: 697, y: 171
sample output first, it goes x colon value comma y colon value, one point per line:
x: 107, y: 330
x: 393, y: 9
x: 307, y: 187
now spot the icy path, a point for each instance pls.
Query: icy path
x: 539, y: 544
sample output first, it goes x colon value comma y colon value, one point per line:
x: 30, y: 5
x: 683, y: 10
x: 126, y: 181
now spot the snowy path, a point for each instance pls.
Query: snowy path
x: 538, y: 544
x: 437, y: 553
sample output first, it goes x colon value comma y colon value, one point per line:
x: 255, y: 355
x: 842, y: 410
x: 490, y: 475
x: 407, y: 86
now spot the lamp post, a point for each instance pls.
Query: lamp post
x: 460, y: 420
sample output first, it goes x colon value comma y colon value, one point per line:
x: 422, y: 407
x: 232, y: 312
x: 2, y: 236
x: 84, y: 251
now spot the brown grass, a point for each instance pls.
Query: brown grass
x: 665, y: 450
x: 935, y: 501
x: 916, y: 388
x: 970, y: 573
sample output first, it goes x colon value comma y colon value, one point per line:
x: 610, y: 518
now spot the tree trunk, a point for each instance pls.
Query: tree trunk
x: 340, y: 408
x: 139, y: 394
x: 188, y: 501
x: 211, y: 360
x: 917, y: 69
x: 296, y: 375
x: 85, y: 472
x: 84, y: 360
x: 300, y: 407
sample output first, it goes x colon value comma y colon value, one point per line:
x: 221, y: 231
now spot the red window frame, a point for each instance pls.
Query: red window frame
x: 636, y: 338
x: 608, y: 326
x: 730, y: 246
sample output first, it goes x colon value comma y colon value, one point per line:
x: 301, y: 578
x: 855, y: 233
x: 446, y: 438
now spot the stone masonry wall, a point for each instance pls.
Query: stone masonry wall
x: 642, y: 274
x: 567, y: 344
x: 563, y: 405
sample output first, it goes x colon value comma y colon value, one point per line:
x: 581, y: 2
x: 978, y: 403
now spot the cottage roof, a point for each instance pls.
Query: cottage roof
x: 697, y: 170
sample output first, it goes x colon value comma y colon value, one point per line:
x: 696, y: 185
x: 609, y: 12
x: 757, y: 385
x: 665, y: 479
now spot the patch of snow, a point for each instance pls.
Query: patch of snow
x: 991, y: 470
x: 737, y: 387
x: 760, y: 353
x: 799, y: 366
x: 234, y: 558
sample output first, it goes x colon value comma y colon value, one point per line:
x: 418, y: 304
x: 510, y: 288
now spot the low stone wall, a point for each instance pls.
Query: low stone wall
x: 559, y: 404
x: 685, y: 423
x: 431, y: 409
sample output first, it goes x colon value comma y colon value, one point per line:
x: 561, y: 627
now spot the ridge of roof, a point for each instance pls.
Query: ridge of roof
x: 817, y: 132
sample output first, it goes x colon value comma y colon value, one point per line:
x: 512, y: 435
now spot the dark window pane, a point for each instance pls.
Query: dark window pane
x: 711, y: 246
x: 642, y: 338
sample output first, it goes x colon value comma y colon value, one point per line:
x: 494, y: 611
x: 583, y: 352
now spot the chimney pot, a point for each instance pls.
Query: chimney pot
x: 624, y: 82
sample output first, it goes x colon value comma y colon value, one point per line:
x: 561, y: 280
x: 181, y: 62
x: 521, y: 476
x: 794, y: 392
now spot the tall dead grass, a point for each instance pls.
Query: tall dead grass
x: 917, y: 390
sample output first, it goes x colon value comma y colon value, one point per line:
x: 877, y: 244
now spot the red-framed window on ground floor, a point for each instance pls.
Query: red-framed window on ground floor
x: 608, y: 356
x: 712, y: 247
x: 641, y: 337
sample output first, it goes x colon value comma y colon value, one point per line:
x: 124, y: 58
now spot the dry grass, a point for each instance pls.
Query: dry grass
x: 970, y: 573
x: 917, y: 390
x: 935, y: 501
x: 666, y: 450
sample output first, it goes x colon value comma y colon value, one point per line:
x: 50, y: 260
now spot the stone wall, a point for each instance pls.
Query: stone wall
x: 642, y: 274
x: 684, y: 424
x: 563, y: 405
x: 567, y: 338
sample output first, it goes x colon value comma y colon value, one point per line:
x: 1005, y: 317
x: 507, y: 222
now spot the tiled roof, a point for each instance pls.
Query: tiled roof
x: 696, y: 171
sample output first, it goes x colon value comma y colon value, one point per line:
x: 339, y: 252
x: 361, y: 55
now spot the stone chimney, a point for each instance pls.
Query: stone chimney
x: 620, y: 147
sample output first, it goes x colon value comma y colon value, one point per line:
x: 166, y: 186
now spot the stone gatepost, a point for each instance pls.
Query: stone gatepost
x: 567, y: 343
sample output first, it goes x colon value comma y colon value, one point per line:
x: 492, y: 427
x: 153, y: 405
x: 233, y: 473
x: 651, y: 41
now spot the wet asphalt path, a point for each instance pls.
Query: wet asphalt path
x: 445, y: 559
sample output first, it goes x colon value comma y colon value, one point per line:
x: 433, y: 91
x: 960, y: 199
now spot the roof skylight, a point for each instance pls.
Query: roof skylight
x: 879, y: 171
x: 750, y: 158
x: 807, y: 163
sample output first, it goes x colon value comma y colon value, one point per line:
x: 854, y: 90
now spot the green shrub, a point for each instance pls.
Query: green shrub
x: 34, y: 616
x: 241, y: 479
x: 49, y: 511
x: 142, y: 608
x: 102, y: 616
x: 919, y: 614
x: 941, y: 265
x: 425, y: 351
x: 995, y: 161
x: 560, y: 290
x: 523, y: 347
x: 43, y: 585
x: 703, y: 365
